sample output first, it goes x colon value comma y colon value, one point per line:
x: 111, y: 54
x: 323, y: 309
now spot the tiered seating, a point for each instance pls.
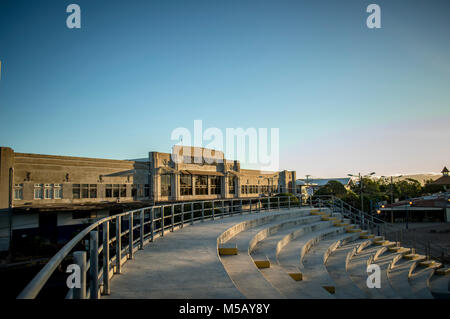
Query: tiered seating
x: 320, y: 255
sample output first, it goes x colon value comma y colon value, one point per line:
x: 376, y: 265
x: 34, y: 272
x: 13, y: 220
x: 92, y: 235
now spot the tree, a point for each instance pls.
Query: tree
x: 334, y: 188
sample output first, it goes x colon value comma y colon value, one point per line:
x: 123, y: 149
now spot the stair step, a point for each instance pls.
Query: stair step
x: 400, y: 250
x: 261, y: 264
x: 228, y: 249
x: 353, y: 230
x: 414, y: 257
x: 430, y: 263
x: 328, y: 218
x: 366, y: 236
x: 443, y: 271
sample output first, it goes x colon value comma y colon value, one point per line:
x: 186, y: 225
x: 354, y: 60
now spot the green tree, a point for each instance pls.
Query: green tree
x: 334, y: 188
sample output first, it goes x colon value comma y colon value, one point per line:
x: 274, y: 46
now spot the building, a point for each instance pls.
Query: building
x: 55, y: 196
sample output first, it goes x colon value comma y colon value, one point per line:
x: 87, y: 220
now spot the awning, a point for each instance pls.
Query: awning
x: 209, y: 173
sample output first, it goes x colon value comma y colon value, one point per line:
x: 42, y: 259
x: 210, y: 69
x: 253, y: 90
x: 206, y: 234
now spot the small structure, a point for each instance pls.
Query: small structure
x: 444, y: 180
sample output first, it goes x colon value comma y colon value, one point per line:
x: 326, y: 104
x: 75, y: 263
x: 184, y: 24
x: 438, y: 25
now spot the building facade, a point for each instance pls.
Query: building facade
x: 45, y: 194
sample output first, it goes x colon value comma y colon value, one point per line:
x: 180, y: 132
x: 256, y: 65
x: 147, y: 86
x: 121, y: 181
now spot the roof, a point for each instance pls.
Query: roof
x: 443, y: 180
x: 445, y: 170
x: 323, y: 181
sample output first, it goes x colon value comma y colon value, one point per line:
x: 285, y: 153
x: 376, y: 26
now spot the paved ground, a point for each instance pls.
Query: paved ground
x: 182, y: 264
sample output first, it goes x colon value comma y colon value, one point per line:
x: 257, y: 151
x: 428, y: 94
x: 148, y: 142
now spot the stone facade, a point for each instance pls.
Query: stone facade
x: 78, y: 190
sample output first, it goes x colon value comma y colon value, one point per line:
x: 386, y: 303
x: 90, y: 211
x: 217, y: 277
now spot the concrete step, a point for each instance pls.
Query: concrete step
x: 285, y: 280
x: 243, y: 270
x: 416, y: 257
x: 399, y: 278
x: 420, y: 282
x: 315, y: 269
x: 291, y: 257
x: 337, y: 268
x: 358, y: 271
x: 439, y: 285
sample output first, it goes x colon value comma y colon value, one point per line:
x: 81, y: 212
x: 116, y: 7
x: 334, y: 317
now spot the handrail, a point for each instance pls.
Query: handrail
x: 235, y: 206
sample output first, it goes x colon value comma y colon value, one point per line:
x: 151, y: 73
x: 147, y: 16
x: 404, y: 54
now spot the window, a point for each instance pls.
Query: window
x: 185, y: 185
x: 134, y: 191
x: 18, y: 191
x: 38, y: 191
x: 84, y: 191
x: 146, y: 190
x: 116, y: 190
x: 57, y: 191
x: 201, y: 185
x: 165, y: 185
x: 231, y: 185
x: 123, y: 190
x: 215, y: 185
x: 48, y: 191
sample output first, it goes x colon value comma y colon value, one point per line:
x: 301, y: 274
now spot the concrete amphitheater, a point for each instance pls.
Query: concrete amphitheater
x: 301, y: 253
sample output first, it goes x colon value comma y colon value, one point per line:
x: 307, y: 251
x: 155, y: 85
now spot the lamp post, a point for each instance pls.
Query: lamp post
x: 392, y: 194
x: 407, y: 212
x: 361, y: 186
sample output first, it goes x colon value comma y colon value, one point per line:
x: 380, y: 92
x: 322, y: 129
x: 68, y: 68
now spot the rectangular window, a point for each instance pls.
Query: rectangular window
x: 84, y: 191
x: 165, y: 185
x: 201, y: 185
x: 215, y: 185
x: 48, y: 191
x: 57, y: 191
x: 147, y: 190
x: 76, y: 191
x: 185, y: 185
x: 38, y: 191
x: 134, y: 190
x: 108, y: 191
x: 123, y: 190
x: 115, y: 190
x: 18, y: 191
x: 231, y: 185
x: 92, y: 190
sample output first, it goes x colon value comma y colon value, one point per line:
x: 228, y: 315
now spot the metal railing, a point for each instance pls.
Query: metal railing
x: 101, y: 249
x: 364, y: 220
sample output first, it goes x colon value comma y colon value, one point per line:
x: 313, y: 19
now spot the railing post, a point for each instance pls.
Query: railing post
x: 223, y: 208
x: 93, y: 268
x: 152, y: 225
x: 278, y: 203
x: 259, y: 205
x: 203, y: 211
x: 162, y: 221
x: 241, y: 208
x: 250, y: 205
x: 141, y: 246
x: 268, y: 203
x: 106, y: 288
x: 192, y: 213
x: 80, y: 259
x: 118, y: 243
x: 172, y: 216
x: 130, y: 235
x: 213, y: 209
x: 289, y: 202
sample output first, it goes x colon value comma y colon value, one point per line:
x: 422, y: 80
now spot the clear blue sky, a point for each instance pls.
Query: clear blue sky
x: 346, y: 98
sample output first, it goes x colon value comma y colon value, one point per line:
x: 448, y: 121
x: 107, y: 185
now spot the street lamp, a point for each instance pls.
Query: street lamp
x: 361, y: 186
x: 392, y: 194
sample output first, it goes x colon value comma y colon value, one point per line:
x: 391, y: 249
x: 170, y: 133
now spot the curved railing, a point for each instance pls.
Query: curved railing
x: 100, y: 256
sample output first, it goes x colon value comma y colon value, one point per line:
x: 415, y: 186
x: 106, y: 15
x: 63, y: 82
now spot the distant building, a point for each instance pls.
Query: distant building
x: 54, y: 196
